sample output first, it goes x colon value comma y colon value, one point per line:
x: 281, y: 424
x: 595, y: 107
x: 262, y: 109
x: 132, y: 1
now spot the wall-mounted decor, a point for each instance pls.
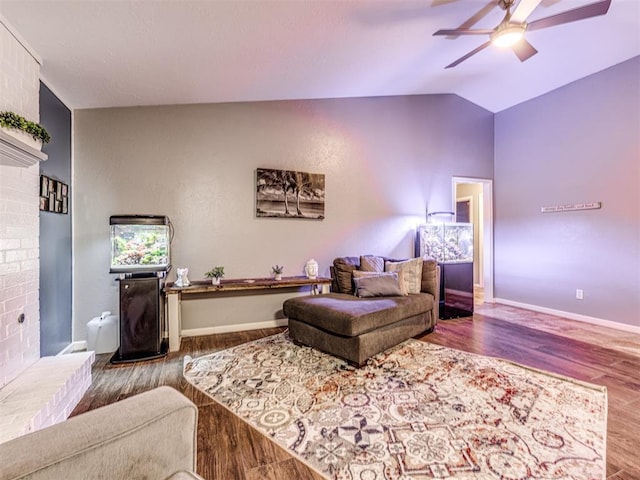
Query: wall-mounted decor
x: 289, y: 194
x: 54, y: 195
x: 572, y: 207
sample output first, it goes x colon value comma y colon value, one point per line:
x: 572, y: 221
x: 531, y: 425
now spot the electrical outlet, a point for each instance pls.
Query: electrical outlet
x: 579, y: 294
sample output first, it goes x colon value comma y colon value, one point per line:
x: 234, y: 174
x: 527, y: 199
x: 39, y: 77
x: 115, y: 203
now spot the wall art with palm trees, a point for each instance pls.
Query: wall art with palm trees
x: 289, y: 194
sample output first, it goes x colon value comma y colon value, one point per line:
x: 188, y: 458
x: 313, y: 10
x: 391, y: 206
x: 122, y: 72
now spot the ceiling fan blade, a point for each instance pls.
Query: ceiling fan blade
x: 437, y: 3
x: 464, y: 31
x: 475, y: 18
x: 524, y: 50
x: 523, y: 10
x: 479, y: 15
x: 591, y: 10
x: 471, y: 53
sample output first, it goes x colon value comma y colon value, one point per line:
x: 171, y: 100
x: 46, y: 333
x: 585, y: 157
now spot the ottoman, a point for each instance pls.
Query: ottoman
x: 356, y: 328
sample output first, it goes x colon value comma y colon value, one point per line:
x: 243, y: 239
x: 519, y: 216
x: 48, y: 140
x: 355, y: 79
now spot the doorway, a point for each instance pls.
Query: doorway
x: 473, y: 201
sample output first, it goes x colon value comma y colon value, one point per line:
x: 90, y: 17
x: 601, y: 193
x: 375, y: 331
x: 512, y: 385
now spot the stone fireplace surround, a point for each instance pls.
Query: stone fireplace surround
x: 34, y: 392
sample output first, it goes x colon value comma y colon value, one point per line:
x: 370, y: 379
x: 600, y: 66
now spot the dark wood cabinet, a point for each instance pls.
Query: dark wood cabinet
x: 456, y: 290
x: 141, y: 320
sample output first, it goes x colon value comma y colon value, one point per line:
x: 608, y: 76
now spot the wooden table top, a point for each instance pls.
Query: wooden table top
x: 238, y: 284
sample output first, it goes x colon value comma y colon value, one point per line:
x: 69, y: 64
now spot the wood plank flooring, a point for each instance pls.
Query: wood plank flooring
x: 230, y: 449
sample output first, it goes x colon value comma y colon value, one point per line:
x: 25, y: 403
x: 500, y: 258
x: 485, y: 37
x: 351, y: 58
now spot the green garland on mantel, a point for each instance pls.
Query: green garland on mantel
x: 13, y: 120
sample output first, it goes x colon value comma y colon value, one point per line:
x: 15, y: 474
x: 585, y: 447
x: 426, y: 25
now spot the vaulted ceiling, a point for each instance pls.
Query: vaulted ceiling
x: 107, y: 53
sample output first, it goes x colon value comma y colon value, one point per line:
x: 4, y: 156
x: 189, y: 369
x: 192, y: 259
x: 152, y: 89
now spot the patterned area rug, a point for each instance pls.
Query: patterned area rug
x: 416, y: 411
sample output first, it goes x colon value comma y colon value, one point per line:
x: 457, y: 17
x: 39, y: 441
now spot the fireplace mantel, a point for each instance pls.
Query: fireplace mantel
x: 18, y: 154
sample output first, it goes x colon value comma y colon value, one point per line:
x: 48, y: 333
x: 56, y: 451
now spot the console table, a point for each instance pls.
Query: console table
x: 174, y: 295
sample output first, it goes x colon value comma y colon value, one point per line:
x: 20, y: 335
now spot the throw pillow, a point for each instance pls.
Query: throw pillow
x: 429, y: 277
x: 360, y: 274
x: 400, y: 274
x: 371, y: 263
x: 377, y: 284
x: 411, y: 270
x: 343, y: 268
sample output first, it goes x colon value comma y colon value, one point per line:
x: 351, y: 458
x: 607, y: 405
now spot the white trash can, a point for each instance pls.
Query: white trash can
x: 102, y: 333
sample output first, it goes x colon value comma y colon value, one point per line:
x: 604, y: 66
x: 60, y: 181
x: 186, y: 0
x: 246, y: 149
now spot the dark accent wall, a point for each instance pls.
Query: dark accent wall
x: 55, y: 231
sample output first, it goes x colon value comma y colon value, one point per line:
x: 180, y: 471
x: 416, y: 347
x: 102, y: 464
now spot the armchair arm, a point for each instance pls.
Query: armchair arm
x: 151, y: 435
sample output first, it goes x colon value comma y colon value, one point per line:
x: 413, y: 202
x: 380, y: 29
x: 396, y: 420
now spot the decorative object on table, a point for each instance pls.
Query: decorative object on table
x: 54, y: 195
x: 311, y: 269
x: 417, y: 410
x: 277, y: 271
x: 289, y: 194
x: 215, y: 274
x: 182, y: 280
x: 28, y: 132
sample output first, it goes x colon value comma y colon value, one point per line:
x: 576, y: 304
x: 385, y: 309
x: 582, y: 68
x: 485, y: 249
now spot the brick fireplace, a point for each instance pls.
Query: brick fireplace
x: 34, y: 392
x: 19, y: 226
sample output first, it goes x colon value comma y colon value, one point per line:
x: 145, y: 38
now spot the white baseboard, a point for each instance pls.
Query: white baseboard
x: 571, y: 316
x: 240, y: 327
x: 80, y: 346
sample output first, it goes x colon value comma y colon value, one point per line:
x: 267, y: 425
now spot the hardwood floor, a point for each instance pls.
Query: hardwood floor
x: 230, y: 449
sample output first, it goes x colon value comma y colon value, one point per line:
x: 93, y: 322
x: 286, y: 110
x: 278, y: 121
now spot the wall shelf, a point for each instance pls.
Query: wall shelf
x: 15, y: 153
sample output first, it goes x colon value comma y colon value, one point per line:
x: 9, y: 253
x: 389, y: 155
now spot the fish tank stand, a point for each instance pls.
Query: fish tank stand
x: 456, y: 290
x: 141, y: 319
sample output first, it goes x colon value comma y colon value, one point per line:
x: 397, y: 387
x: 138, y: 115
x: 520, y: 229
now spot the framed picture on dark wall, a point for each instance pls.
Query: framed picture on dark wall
x: 44, y: 187
x: 54, y: 195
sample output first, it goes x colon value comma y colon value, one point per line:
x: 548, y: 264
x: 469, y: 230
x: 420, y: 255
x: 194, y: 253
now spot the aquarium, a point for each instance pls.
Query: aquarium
x: 446, y: 242
x: 140, y: 243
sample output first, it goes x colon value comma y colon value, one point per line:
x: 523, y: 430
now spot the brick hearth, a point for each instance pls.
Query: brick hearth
x: 44, y: 394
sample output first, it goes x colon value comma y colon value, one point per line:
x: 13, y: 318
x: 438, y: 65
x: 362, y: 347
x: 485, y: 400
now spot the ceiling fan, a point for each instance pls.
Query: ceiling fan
x: 510, y: 31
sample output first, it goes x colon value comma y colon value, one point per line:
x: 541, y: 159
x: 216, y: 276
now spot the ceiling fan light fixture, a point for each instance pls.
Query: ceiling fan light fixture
x: 511, y: 30
x: 508, y: 36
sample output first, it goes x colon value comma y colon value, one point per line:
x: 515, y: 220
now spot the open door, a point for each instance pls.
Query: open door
x: 473, y: 201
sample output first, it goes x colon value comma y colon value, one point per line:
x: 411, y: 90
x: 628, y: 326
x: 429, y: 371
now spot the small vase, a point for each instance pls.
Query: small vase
x: 278, y: 276
x: 215, y: 281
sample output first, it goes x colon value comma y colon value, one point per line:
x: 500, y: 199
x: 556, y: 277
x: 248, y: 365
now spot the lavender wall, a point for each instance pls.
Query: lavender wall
x: 580, y: 143
x: 384, y: 159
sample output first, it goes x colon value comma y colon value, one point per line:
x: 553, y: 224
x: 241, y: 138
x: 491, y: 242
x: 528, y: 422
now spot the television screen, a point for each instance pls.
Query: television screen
x: 140, y: 243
